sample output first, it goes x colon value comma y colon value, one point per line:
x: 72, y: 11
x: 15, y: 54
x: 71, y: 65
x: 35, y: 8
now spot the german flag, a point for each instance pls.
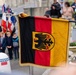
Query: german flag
x: 43, y: 41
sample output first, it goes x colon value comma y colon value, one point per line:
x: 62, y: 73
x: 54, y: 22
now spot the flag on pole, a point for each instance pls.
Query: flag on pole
x: 43, y: 41
x: 10, y: 24
x: 13, y: 19
x: 3, y: 23
x: 3, y: 8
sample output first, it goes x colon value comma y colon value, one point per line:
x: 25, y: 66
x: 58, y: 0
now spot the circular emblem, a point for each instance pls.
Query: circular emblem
x: 43, y: 41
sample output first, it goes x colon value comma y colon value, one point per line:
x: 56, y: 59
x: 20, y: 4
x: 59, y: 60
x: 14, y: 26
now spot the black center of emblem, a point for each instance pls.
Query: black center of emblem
x: 43, y: 41
x: 48, y: 41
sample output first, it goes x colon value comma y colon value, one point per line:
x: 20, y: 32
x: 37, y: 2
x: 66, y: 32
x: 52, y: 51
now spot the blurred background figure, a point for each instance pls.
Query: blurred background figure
x: 9, y: 44
x: 67, y: 11
x: 62, y: 5
x: 15, y: 46
x: 57, y: 7
x: 47, y: 12
x: 54, y: 11
x: 2, y: 42
x: 74, y: 5
x: 74, y: 8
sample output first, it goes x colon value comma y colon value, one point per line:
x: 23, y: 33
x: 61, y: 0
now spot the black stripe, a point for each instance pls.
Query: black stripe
x: 27, y: 25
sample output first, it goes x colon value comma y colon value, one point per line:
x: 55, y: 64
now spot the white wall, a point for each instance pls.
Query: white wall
x: 13, y: 3
x: 2, y: 2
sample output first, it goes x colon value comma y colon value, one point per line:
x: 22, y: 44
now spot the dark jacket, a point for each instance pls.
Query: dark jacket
x: 47, y: 13
x: 15, y: 41
x: 52, y: 13
x: 57, y: 5
x: 55, y: 13
x: 58, y: 8
x: 9, y: 41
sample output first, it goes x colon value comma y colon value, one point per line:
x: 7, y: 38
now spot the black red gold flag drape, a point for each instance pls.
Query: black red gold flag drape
x: 43, y: 41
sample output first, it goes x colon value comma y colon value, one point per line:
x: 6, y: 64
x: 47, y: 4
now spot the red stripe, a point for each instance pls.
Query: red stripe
x: 4, y: 25
x: 9, y: 26
x: 42, y: 25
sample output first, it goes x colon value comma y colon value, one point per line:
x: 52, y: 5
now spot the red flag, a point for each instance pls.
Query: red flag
x: 3, y: 24
x: 10, y: 25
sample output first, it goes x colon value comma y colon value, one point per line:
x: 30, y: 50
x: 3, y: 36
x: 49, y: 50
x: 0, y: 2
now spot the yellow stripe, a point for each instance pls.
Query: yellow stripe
x: 60, y: 19
x: 60, y: 31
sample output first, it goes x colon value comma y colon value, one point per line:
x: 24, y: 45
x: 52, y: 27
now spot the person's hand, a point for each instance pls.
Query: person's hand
x: 73, y: 6
x: 9, y: 46
x: 65, y: 70
x: 53, y: 7
x: 0, y: 47
x: 46, y: 16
